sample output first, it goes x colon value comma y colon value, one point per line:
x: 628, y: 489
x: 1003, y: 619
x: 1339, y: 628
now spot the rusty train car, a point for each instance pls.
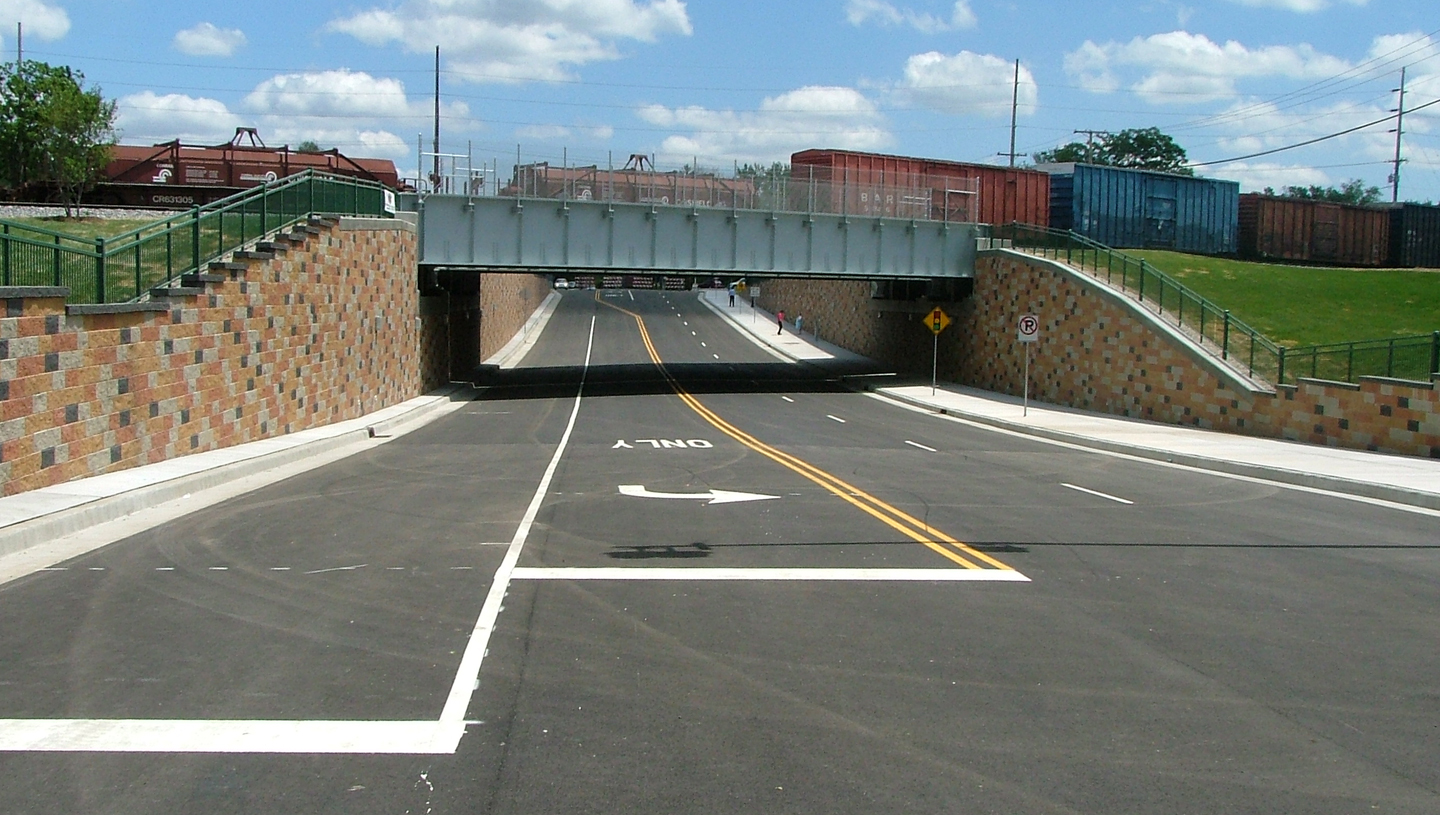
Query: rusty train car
x: 948, y: 189
x: 631, y: 185
x: 1306, y: 231
x: 175, y: 175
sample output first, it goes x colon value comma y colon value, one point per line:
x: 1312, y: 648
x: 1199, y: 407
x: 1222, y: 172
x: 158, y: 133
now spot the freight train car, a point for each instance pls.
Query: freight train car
x: 949, y: 190
x: 1140, y: 209
x: 1306, y: 231
x: 632, y: 185
x: 1414, y: 236
x: 184, y: 175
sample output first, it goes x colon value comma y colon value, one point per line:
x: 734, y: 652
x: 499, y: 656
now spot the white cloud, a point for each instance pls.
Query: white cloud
x: 208, y: 40
x: 967, y: 83
x: 42, y: 20
x: 815, y: 115
x: 148, y: 117
x: 1180, y: 67
x: 543, y: 132
x: 1300, y: 6
x: 859, y: 12
x: 1256, y: 176
x: 352, y: 110
x: 517, y: 40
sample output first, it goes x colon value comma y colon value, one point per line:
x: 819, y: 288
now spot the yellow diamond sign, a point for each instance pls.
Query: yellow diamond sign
x: 937, y: 320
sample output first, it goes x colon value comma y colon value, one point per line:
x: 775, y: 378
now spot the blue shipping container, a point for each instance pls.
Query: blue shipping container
x: 1139, y: 209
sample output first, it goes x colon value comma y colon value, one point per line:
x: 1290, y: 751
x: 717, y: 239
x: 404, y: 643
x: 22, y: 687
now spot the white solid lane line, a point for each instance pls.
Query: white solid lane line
x: 836, y: 418
x: 921, y: 446
x: 1097, y: 494
x: 661, y: 573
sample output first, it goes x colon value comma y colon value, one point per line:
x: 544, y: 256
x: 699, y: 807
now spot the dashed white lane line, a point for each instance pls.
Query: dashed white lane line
x: 836, y: 418
x: 219, y: 568
x: 693, y: 334
x: 1097, y: 494
x: 703, y: 345
x: 921, y: 446
x: 717, y: 356
x: 279, y: 568
x: 788, y: 399
x: 164, y: 568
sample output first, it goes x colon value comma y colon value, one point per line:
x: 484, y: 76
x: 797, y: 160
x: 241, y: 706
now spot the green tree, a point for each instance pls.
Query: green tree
x: 308, y: 146
x: 1138, y: 148
x: 1353, y: 191
x: 53, y: 131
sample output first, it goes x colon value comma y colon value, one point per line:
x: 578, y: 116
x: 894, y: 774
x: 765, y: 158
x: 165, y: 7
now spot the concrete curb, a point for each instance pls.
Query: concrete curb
x: 105, y: 508
x: 519, y: 345
x: 1384, y: 492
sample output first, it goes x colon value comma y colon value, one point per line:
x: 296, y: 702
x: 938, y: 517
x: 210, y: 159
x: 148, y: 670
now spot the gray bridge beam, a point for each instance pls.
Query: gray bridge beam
x: 546, y: 234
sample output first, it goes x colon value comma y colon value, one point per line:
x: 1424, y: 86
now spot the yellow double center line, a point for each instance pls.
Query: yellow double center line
x: 911, y: 527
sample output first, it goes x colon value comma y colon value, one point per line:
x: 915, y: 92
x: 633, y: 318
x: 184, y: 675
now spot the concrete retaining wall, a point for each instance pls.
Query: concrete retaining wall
x: 1100, y: 351
x: 328, y: 330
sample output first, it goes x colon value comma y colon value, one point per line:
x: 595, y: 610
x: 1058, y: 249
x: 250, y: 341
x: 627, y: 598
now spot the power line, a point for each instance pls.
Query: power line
x: 1310, y: 141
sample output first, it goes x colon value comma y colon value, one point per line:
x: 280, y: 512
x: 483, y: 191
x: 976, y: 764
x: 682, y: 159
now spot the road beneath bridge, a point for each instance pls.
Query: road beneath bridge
x: 556, y: 599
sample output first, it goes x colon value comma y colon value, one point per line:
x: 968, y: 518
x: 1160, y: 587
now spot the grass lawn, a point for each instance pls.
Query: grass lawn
x: 1307, y: 305
x: 90, y: 228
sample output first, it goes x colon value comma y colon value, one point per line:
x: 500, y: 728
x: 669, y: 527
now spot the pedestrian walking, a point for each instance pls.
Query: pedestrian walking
x: 799, y: 318
x: 732, y: 297
x: 780, y: 320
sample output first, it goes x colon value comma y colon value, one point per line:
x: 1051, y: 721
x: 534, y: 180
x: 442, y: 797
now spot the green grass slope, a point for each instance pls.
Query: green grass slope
x: 1307, y: 305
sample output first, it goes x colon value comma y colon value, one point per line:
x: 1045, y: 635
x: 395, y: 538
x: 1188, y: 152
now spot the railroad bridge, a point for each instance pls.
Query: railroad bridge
x: 576, y: 237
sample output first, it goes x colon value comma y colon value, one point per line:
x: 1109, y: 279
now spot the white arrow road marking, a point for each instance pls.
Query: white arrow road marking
x: 710, y: 496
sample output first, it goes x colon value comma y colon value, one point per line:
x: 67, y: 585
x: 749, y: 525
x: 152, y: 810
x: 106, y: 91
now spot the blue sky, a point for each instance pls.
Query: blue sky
x: 743, y: 81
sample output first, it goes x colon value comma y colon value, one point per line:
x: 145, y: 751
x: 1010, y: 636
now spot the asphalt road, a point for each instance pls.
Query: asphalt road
x: 1055, y: 630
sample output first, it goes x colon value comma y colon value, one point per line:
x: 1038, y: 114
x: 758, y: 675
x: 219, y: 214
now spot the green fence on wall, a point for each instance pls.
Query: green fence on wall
x: 1414, y: 357
x: 123, y: 267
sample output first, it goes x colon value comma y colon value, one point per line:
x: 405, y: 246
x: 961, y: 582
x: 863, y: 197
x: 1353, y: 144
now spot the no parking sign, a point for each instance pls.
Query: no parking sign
x: 1029, y: 328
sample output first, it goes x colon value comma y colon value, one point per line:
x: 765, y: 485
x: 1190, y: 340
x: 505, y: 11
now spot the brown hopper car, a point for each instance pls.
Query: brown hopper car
x: 184, y: 175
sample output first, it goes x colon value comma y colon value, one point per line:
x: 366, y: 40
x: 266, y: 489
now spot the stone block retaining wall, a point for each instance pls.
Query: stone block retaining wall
x: 326, y: 330
x: 1100, y: 351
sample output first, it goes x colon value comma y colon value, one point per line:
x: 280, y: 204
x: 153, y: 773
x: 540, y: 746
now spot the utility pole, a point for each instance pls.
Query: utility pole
x: 19, y: 46
x: 1399, y: 131
x: 1014, y: 107
x: 1090, y: 143
x: 435, y: 175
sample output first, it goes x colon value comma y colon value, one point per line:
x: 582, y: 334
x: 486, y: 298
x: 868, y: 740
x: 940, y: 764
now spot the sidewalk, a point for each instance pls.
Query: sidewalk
x: 759, y: 325
x: 1402, y: 479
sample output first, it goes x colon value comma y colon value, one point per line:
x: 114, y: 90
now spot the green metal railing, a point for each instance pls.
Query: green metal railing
x: 1414, y: 357
x: 126, y: 266
x: 1242, y: 345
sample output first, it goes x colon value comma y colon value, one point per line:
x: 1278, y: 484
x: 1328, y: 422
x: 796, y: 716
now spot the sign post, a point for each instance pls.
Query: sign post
x: 936, y: 321
x: 1028, y: 333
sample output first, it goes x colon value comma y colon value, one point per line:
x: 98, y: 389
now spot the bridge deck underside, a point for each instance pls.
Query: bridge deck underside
x: 510, y: 234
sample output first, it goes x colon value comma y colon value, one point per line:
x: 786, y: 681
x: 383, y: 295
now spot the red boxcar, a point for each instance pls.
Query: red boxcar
x: 1297, y: 229
x: 1005, y: 193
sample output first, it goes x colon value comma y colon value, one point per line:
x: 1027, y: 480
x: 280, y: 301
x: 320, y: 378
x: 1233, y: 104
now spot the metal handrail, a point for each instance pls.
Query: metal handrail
x: 1217, y: 328
x: 126, y: 266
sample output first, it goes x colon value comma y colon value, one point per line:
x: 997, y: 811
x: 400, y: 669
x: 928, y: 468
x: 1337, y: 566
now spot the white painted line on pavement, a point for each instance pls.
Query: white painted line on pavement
x: 921, y: 446
x: 452, y: 717
x: 1097, y: 494
x: 339, y: 569
x: 217, y: 736
x: 788, y: 399
x: 702, y: 344
x: 630, y: 573
x: 1249, y: 479
x: 836, y: 418
x: 717, y: 356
